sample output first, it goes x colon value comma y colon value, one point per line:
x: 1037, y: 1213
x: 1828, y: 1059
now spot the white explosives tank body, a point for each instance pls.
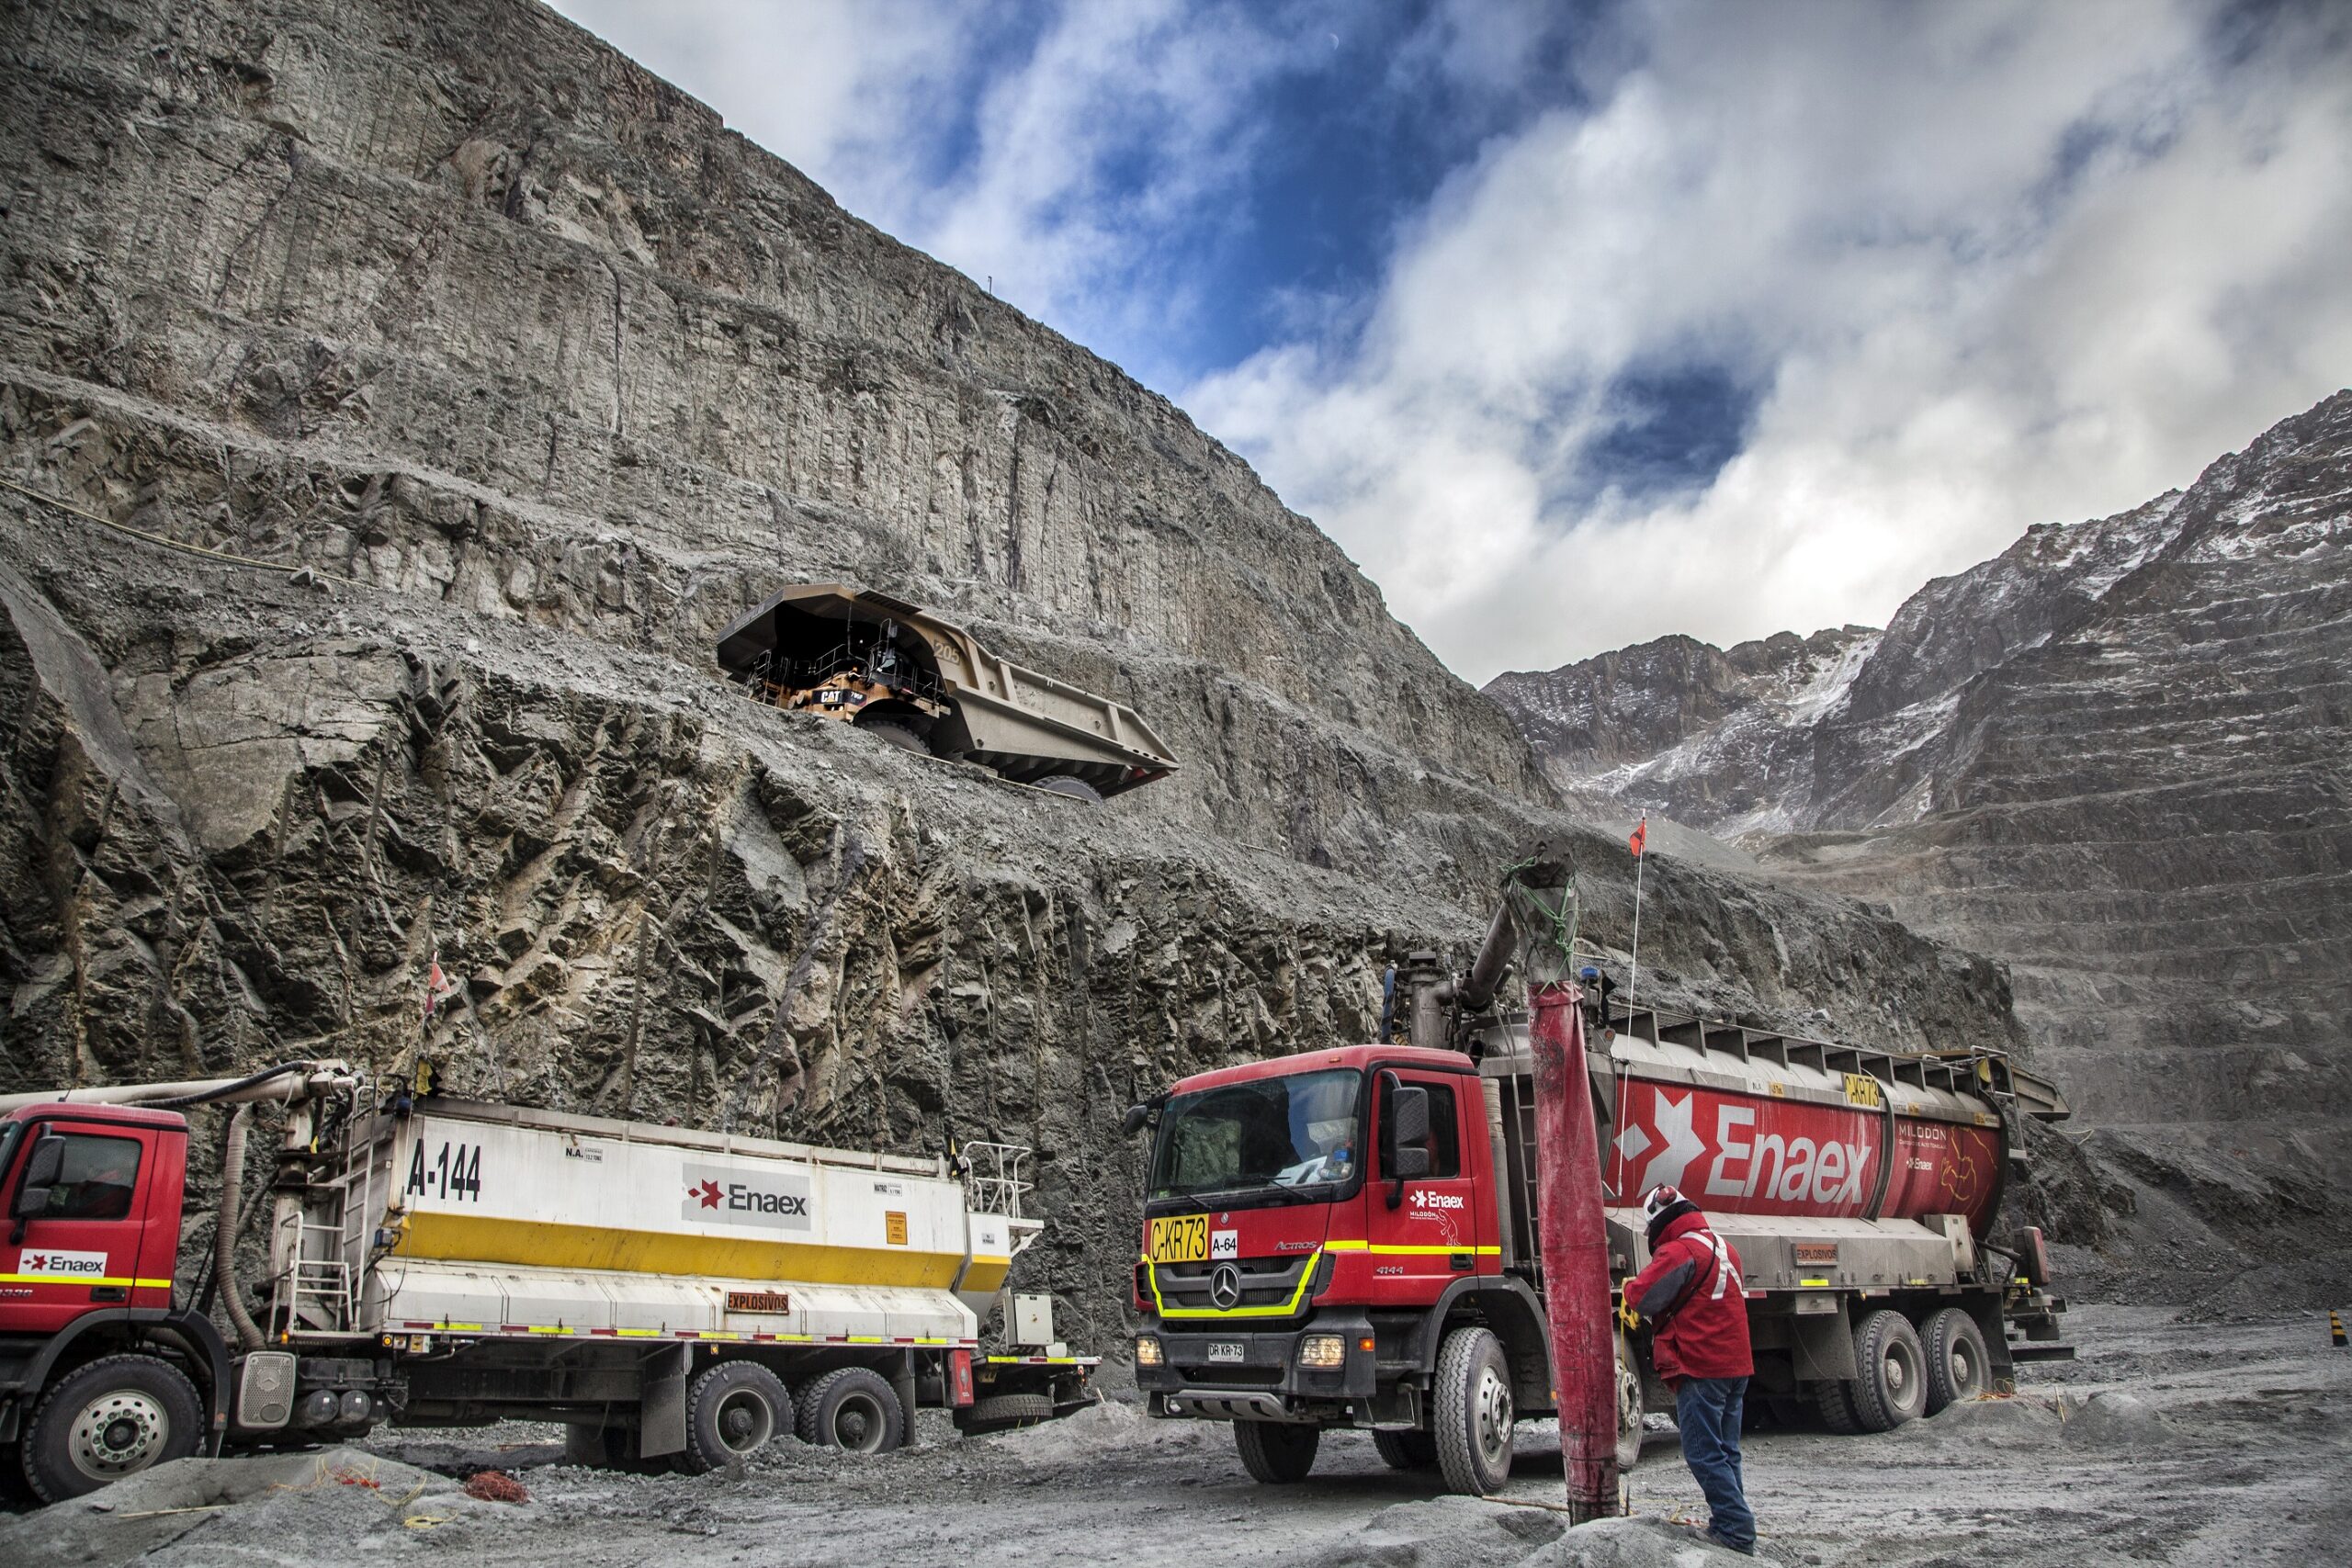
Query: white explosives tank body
x: 499, y: 1220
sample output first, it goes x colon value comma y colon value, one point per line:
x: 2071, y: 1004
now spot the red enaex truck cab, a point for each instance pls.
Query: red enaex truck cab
x: 1312, y: 1227
x: 1347, y: 1237
x: 101, y: 1372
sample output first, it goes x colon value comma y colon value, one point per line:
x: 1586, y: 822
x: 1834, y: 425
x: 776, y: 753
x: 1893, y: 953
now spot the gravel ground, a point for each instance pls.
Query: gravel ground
x: 2170, y: 1442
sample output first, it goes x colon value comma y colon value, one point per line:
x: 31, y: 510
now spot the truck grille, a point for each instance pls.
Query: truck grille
x: 1265, y: 1281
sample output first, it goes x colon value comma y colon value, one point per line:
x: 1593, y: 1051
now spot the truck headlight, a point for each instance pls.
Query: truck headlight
x: 1147, y: 1351
x: 1323, y: 1351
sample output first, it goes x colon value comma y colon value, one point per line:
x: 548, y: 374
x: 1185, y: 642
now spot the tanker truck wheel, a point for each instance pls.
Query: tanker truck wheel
x: 1473, y: 1413
x: 1956, y: 1360
x: 855, y: 1409
x: 114, y: 1418
x: 1406, y: 1451
x: 1629, y: 1406
x: 733, y: 1410
x: 1836, y: 1410
x: 1892, y: 1384
x: 1276, y: 1453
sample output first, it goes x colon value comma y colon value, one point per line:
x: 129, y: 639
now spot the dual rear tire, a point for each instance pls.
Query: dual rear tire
x: 1904, y: 1373
x: 736, y: 1408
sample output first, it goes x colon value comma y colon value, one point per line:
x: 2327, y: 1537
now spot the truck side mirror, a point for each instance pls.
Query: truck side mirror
x: 1408, y: 1118
x: 1406, y: 1144
x: 1132, y: 1122
x: 43, y: 1167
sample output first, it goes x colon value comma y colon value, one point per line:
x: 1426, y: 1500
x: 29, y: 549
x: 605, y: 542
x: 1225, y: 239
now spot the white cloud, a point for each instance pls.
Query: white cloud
x: 1989, y: 264
x: 842, y: 89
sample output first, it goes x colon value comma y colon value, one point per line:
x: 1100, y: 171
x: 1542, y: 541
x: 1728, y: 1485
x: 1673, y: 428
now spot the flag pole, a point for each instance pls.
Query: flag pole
x: 1641, y: 864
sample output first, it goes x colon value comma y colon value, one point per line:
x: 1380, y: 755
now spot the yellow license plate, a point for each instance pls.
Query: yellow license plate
x: 1180, y: 1238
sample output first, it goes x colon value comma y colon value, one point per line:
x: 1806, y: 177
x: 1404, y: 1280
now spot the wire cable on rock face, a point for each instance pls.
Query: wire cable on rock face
x: 171, y: 543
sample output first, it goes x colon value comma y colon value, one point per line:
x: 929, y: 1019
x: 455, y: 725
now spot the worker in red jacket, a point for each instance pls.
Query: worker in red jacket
x: 1691, y: 1298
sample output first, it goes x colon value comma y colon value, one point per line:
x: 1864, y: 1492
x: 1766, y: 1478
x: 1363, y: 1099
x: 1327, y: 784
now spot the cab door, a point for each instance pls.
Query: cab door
x: 1423, y: 1229
x: 78, y: 1225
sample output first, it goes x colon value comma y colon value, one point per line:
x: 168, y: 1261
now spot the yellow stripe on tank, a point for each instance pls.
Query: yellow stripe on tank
x: 537, y: 1244
x: 985, y: 1276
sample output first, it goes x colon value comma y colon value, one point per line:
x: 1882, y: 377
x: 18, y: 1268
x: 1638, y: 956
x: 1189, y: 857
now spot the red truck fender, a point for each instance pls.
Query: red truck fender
x: 22, y: 1384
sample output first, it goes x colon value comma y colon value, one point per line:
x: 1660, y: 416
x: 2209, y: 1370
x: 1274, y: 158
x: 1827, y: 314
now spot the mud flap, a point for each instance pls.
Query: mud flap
x: 662, y: 1402
x: 1822, y: 1345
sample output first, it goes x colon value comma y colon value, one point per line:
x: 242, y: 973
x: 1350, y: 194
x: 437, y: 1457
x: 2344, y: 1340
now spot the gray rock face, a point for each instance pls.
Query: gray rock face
x: 2115, y: 756
x: 545, y: 375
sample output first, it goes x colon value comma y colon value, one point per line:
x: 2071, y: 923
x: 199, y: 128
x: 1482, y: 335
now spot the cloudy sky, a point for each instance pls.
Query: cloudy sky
x: 1577, y: 324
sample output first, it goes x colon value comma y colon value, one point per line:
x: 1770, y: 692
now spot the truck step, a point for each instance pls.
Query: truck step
x: 2042, y: 1352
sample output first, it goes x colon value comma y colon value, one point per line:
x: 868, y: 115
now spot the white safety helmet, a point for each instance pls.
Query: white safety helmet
x: 1659, y: 1199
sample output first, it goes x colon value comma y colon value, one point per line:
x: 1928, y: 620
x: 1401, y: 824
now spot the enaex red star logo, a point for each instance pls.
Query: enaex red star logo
x: 708, y: 1192
x: 37, y: 1262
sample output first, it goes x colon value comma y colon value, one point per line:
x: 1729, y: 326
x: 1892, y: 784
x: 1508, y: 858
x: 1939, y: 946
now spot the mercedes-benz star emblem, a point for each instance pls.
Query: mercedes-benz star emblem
x: 1224, y: 1287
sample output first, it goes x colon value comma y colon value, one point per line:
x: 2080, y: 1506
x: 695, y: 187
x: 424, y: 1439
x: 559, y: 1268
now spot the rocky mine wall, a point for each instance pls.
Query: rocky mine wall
x: 2114, y: 757
x: 544, y: 376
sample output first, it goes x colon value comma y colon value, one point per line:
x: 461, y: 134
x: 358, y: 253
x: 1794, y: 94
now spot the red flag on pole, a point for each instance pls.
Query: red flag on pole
x: 434, y: 982
x: 1641, y: 835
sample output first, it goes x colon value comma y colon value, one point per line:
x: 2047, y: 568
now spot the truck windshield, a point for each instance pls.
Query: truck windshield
x: 1286, y: 1133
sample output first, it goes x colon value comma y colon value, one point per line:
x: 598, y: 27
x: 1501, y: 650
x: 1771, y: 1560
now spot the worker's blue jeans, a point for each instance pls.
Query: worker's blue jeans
x: 1707, y: 1409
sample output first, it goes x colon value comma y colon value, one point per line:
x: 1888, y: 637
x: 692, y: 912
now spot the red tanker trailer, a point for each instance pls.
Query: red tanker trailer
x: 1349, y: 1237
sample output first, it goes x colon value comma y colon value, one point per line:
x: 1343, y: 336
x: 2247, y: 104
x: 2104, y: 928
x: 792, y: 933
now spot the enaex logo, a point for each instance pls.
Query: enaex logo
x: 63, y: 1265
x: 1425, y: 1199
x: 737, y: 1197
x: 740, y: 1197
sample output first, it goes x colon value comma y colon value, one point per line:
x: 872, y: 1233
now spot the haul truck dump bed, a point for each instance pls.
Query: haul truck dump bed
x: 676, y: 1298
x: 918, y: 682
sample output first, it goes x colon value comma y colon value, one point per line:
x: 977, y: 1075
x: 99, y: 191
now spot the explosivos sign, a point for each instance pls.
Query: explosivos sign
x: 721, y: 1195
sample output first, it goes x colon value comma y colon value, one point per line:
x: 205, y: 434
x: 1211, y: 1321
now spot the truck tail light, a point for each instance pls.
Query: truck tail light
x: 959, y: 1377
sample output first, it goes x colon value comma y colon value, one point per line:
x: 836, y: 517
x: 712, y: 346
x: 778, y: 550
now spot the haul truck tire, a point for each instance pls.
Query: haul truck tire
x: 1071, y: 786
x: 733, y: 1410
x: 1956, y: 1358
x: 1406, y: 1451
x: 1471, y: 1413
x: 890, y: 728
x: 1276, y: 1453
x: 115, y: 1417
x: 853, y: 1409
x: 1892, y: 1385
